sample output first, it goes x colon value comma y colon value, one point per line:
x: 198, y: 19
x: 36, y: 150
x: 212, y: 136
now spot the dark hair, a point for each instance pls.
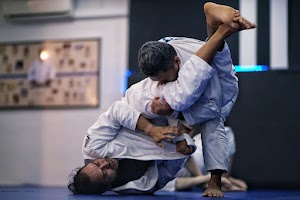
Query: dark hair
x: 155, y: 56
x: 80, y: 183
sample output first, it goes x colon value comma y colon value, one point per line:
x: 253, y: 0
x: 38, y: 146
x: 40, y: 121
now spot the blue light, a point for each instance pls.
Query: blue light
x: 128, y: 73
x: 251, y: 68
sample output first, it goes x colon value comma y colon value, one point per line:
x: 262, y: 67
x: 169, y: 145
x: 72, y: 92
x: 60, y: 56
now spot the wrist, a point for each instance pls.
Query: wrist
x: 147, y: 129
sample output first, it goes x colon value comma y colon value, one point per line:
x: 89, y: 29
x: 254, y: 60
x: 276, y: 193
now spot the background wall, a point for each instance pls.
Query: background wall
x: 265, y: 118
x: 42, y: 146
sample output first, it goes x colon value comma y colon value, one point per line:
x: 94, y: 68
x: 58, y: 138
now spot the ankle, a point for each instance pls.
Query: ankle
x: 215, y: 181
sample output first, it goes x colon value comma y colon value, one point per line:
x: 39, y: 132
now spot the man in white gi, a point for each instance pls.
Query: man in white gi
x: 121, y: 156
x: 209, y: 93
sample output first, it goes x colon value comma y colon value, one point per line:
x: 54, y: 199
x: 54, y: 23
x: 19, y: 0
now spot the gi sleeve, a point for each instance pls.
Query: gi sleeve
x: 190, y: 84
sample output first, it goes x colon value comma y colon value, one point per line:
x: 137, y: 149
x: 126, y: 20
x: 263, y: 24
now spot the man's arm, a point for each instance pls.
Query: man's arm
x: 109, y: 123
x: 157, y: 133
x: 140, y: 96
x: 121, y: 115
x: 182, y: 93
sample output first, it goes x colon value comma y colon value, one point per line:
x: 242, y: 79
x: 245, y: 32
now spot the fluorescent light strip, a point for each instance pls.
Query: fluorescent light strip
x: 250, y: 68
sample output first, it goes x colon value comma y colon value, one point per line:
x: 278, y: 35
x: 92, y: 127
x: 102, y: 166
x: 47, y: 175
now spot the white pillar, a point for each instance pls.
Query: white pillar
x: 278, y: 34
x: 248, y: 38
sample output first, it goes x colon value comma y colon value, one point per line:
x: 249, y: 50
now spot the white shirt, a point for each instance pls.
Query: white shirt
x: 41, y: 71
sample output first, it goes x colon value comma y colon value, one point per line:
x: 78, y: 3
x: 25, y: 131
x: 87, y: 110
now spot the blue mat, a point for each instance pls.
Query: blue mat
x: 61, y: 193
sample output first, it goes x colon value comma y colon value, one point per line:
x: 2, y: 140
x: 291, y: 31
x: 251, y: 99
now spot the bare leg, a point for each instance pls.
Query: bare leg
x: 209, y: 49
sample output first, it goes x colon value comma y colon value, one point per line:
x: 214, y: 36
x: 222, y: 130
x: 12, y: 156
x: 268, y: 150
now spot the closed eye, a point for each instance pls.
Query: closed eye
x: 110, y: 164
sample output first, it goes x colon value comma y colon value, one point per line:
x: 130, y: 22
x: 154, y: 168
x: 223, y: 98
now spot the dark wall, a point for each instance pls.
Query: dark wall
x: 294, y: 31
x: 266, y: 123
x: 263, y: 32
x: 266, y: 117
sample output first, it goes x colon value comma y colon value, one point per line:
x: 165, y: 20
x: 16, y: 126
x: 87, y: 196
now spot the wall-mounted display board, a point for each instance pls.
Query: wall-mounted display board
x: 49, y: 74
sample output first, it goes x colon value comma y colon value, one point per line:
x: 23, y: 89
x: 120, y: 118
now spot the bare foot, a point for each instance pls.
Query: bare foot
x: 213, y: 192
x: 225, y: 31
x: 220, y: 14
x: 214, y: 187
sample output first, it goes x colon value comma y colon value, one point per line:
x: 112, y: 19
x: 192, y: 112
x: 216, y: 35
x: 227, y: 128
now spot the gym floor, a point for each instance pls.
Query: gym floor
x: 62, y: 193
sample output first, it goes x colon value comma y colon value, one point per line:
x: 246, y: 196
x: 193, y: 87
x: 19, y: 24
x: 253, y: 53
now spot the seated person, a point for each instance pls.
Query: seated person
x: 42, y: 72
x: 121, y: 158
x: 193, y: 172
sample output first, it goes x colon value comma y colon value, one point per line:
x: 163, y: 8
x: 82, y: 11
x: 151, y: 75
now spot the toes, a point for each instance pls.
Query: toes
x: 236, y: 13
x: 213, y: 193
x: 245, y: 24
x: 253, y: 25
x: 236, y: 19
x: 248, y: 24
x: 235, y: 25
x: 241, y: 20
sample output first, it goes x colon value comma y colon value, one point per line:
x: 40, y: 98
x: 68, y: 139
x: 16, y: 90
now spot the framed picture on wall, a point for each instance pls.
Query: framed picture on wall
x: 50, y: 74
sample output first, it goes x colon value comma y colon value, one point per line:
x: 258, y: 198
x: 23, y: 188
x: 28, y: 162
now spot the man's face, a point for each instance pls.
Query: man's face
x: 103, y: 169
x: 168, y: 76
